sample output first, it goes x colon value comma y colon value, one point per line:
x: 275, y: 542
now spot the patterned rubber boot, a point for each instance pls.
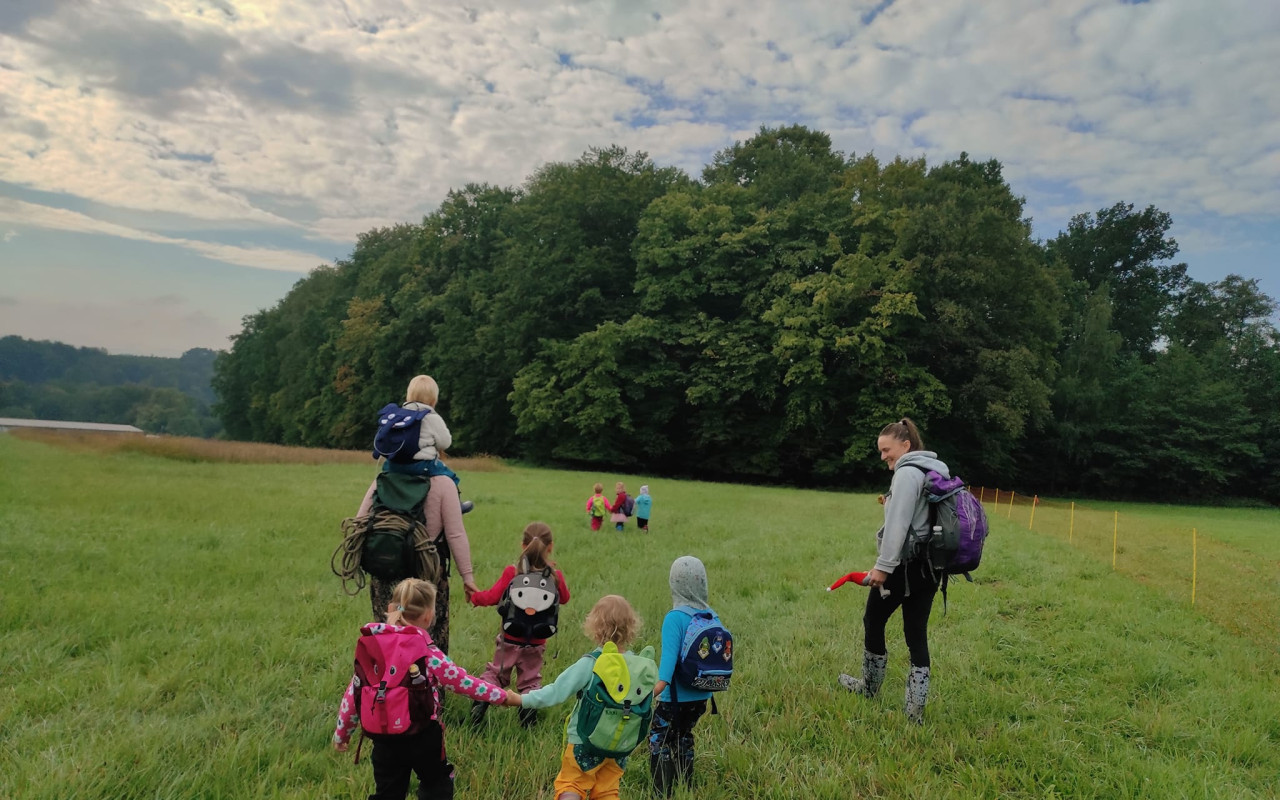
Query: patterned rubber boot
x: 664, y: 774
x: 917, y: 693
x: 873, y: 666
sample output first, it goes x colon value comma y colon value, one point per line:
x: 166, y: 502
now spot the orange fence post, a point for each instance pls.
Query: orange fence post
x: 982, y: 493
x: 996, y: 502
x: 1011, y: 496
x: 1071, y: 532
x: 1035, y: 499
x: 1115, y: 535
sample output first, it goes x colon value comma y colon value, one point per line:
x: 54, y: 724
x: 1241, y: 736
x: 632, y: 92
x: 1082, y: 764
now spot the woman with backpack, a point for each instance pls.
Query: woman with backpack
x: 898, y: 580
x: 442, y: 512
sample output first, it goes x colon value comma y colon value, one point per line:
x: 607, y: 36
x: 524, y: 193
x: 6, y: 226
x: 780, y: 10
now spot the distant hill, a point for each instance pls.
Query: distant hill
x: 52, y: 380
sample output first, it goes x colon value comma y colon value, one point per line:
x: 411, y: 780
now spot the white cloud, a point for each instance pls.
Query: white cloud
x: 19, y: 212
x: 331, y: 118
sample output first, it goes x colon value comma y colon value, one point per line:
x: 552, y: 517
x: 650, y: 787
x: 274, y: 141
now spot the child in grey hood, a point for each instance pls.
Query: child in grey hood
x: 898, y: 580
x: 679, y: 707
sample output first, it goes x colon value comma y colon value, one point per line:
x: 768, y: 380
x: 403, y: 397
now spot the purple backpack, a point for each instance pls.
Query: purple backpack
x: 958, y: 525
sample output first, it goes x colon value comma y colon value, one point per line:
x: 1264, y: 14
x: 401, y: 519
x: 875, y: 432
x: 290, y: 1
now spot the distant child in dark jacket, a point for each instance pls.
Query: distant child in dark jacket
x: 620, y: 504
x: 523, y: 654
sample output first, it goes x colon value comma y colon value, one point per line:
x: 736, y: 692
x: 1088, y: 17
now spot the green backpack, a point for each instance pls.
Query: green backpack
x: 615, y: 709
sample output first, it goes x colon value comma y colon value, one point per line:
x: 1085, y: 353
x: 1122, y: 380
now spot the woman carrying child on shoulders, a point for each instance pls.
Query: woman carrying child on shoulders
x: 442, y: 510
x: 898, y: 581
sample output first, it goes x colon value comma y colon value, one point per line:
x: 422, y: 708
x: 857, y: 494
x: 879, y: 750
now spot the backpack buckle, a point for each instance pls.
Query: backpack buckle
x: 381, y: 696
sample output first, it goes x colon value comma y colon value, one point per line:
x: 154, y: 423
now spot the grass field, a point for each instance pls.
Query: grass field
x: 170, y: 629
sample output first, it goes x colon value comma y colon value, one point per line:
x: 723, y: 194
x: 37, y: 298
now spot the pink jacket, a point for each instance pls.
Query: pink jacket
x: 443, y: 672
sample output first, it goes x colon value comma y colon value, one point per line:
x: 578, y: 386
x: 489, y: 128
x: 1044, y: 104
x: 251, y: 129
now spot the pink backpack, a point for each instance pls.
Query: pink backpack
x: 392, y: 684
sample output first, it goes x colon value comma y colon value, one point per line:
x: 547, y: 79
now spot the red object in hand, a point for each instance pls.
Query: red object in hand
x: 859, y: 578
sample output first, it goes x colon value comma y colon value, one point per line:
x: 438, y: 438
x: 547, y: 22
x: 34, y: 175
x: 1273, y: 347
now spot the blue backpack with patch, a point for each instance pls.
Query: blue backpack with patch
x: 705, y: 660
x: 398, y: 431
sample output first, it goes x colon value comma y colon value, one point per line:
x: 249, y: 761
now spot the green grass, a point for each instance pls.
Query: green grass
x: 171, y: 629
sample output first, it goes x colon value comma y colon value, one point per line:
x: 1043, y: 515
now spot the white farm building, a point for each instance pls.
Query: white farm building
x: 8, y: 423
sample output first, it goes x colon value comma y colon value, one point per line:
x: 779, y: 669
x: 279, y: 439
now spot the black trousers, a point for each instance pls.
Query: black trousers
x: 422, y: 753
x: 915, y: 611
x: 671, y: 743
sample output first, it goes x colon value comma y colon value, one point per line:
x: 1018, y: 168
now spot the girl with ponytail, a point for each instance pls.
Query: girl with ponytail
x: 523, y: 654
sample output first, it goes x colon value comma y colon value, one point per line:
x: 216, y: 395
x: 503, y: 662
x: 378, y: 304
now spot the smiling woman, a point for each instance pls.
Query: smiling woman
x: 898, y: 579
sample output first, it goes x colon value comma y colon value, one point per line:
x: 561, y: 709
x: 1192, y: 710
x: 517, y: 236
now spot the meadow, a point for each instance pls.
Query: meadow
x: 170, y: 628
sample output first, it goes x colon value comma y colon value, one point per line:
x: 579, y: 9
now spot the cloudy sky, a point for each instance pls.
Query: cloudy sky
x: 168, y: 166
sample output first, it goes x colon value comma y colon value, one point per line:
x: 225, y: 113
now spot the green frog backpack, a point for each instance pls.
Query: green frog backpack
x: 616, y: 707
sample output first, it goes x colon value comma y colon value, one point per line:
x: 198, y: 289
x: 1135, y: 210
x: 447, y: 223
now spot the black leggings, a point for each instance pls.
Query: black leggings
x: 395, y: 757
x: 915, y: 611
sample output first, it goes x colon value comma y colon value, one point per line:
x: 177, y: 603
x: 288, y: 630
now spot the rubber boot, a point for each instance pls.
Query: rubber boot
x: 873, y: 666
x: 686, y: 772
x: 917, y: 693
x: 528, y: 717
x: 664, y: 773
x: 478, y: 710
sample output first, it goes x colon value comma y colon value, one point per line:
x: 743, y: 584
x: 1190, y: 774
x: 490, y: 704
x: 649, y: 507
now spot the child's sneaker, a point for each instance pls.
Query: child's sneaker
x: 467, y: 505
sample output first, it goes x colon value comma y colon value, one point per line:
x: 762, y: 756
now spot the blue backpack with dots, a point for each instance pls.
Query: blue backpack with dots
x: 398, y: 431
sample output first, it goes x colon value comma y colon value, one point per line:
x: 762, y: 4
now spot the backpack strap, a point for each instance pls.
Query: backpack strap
x: 594, y: 656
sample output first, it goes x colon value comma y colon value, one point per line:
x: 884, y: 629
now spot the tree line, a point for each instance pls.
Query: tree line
x: 765, y: 320
x: 52, y: 380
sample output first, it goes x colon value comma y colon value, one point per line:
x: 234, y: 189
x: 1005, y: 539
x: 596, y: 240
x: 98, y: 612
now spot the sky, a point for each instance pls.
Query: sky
x: 168, y: 167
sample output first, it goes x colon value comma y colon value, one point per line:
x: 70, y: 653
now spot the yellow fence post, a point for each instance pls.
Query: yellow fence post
x: 982, y: 494
x: 1193, y: 566
x: 1071, y: 532
x: 996, y: 502
x: 1115, y: 535
x: 1035, y: 499
x: 1011, y: 496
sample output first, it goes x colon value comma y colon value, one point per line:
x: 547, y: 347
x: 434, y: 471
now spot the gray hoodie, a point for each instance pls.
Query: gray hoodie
x: 688, y: 583
x: 905, y: 509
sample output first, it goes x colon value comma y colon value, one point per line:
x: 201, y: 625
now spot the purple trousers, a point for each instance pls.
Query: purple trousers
x: 525, y: 660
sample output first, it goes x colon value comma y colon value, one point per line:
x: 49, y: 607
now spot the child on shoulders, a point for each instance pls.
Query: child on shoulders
x: 512, y: 650
x: 433, y: 435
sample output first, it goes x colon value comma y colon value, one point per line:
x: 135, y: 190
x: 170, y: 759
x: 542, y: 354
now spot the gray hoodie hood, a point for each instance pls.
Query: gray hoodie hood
x: 923, y: 458
x: 689, y: 583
